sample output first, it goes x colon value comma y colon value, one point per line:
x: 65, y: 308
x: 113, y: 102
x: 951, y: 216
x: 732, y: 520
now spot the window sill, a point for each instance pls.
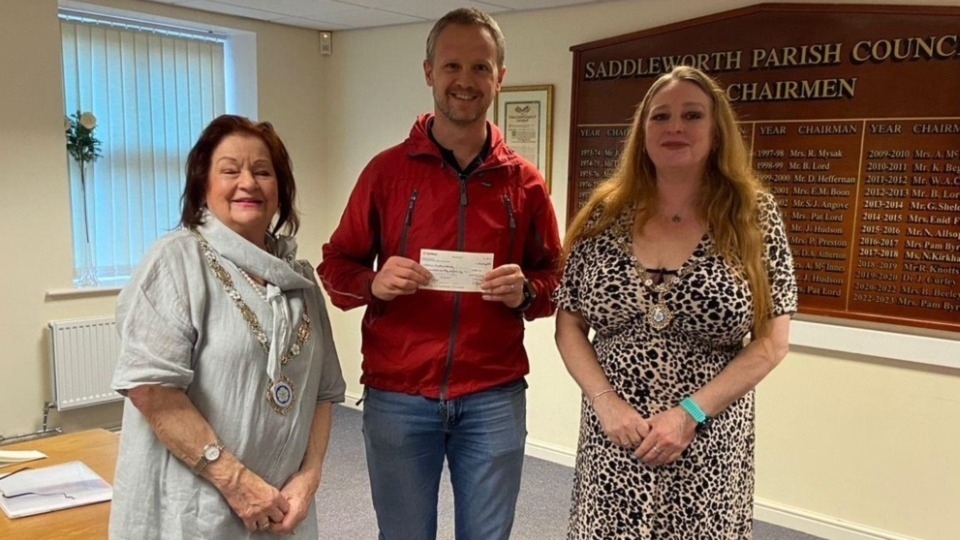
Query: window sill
x: 92, y: 292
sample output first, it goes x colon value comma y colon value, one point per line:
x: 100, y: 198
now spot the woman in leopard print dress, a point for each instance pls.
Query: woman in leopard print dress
x: 673, y: 262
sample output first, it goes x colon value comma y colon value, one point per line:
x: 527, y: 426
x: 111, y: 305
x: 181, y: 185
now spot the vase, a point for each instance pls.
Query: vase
x: 88, y: 271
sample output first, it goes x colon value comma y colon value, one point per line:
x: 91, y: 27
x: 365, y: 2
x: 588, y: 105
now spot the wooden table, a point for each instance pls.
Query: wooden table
x: 98, y: 449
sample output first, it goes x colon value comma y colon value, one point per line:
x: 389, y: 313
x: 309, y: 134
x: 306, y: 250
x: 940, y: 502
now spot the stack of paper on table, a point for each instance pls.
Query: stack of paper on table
x: 10, y: 457
x: 36, y: 491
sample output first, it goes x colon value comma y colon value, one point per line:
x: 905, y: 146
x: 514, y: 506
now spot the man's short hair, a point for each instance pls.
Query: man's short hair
x: 468, y: 17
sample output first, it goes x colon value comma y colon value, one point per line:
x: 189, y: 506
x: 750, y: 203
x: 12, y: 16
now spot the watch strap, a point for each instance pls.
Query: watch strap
x: 202, y: 463
x: 695, y: 412
x: 529, y: 295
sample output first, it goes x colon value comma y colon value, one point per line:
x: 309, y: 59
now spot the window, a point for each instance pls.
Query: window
x: 153, y: 90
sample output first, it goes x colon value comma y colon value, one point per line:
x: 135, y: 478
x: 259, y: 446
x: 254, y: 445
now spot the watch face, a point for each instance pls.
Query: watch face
x: 211, y: 453
x: 528, y: 292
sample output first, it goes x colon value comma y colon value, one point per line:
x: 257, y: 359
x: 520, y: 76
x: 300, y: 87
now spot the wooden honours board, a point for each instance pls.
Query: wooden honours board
x: 852, y: 115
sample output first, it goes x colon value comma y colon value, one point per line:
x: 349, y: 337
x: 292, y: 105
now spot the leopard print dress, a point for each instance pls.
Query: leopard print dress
x: 708, y: 492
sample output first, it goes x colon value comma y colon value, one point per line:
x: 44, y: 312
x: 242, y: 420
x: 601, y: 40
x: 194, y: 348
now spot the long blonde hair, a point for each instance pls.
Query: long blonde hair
x: 728, y: 198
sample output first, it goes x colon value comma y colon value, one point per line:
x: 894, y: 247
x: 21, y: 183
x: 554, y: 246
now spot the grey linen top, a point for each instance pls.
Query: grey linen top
x: 179, y: 328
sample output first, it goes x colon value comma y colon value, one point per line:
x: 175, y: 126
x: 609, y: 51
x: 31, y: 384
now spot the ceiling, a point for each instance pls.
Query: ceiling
x: 352, y: 14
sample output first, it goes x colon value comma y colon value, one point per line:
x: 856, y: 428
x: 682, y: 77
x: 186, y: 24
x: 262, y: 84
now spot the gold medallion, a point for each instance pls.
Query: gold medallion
x: 281, y: 395
x: 659, y: 316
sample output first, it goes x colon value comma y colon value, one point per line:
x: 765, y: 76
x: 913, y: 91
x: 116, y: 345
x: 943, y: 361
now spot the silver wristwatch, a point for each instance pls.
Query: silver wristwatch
x: 210, y: 453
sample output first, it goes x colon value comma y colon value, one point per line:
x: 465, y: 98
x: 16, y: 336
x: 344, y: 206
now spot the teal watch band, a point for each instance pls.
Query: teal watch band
x: 695, y: 411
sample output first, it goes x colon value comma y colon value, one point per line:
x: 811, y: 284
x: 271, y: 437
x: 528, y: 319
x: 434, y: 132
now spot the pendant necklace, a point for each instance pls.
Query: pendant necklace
x: 659, y: 315
x: 280, y: 394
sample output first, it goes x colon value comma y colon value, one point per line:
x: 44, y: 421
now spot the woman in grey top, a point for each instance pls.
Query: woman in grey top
x: 226, y: 357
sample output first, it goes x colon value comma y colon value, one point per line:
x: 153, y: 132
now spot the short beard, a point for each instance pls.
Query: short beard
x: 458, y: 120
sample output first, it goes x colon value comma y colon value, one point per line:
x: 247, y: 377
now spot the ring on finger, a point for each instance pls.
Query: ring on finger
x: 656, y: 450
x: 263, y: 525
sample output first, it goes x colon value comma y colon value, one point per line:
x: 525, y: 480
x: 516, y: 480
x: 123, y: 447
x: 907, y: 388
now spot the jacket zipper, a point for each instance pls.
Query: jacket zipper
x: 455, y: 326
x: 512, y: 222
x: 407, y: 221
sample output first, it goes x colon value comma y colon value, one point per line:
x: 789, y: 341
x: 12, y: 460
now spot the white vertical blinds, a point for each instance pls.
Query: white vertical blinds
x: 152, y: 92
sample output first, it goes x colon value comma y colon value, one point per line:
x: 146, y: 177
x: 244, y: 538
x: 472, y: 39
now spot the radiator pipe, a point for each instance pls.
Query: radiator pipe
x: 47, y: 405
x: 44, y: 432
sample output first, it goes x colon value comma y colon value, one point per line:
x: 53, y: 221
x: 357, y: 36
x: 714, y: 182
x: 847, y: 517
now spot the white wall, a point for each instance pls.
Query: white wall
x: 35, y: 212
x: 848, y: 446
x: 35, y: 209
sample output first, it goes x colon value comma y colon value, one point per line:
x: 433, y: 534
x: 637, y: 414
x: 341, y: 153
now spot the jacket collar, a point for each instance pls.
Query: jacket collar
x: 418, y: 143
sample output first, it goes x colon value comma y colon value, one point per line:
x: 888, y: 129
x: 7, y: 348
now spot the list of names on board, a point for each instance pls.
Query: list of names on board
x: 872, y: 210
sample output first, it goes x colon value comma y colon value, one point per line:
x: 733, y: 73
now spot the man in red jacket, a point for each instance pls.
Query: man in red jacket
x: 443, y: 356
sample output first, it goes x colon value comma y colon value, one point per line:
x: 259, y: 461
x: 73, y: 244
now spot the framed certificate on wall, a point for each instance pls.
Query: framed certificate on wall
x: 525, y: 115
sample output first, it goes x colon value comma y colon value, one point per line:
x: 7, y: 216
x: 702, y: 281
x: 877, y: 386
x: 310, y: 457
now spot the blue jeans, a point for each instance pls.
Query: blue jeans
x: 481, y: 436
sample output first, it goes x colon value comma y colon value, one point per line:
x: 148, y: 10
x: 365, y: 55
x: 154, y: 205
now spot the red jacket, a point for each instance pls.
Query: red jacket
x: 433, y: 343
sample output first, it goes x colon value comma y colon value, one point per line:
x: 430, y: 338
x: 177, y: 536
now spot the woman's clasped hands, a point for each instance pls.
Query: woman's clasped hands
x: 658, y: 440
x: 263, y: 507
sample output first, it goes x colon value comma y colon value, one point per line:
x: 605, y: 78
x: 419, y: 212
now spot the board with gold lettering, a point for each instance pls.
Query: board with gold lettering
x: 853, y: 121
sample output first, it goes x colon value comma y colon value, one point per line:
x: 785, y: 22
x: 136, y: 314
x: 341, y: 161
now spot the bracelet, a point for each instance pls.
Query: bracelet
x: 695, y: 411
x: 600, y: 393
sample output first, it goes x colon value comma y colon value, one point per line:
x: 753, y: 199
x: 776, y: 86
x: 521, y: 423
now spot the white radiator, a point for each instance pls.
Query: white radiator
x: 83, y: 354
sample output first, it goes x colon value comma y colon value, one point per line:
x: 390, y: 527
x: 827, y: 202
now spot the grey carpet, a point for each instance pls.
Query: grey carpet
x: 346, y: 513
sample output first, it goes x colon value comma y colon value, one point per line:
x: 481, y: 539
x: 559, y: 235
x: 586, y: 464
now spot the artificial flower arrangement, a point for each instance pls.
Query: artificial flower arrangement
x: 84, y: 148
x: 82, y: 145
